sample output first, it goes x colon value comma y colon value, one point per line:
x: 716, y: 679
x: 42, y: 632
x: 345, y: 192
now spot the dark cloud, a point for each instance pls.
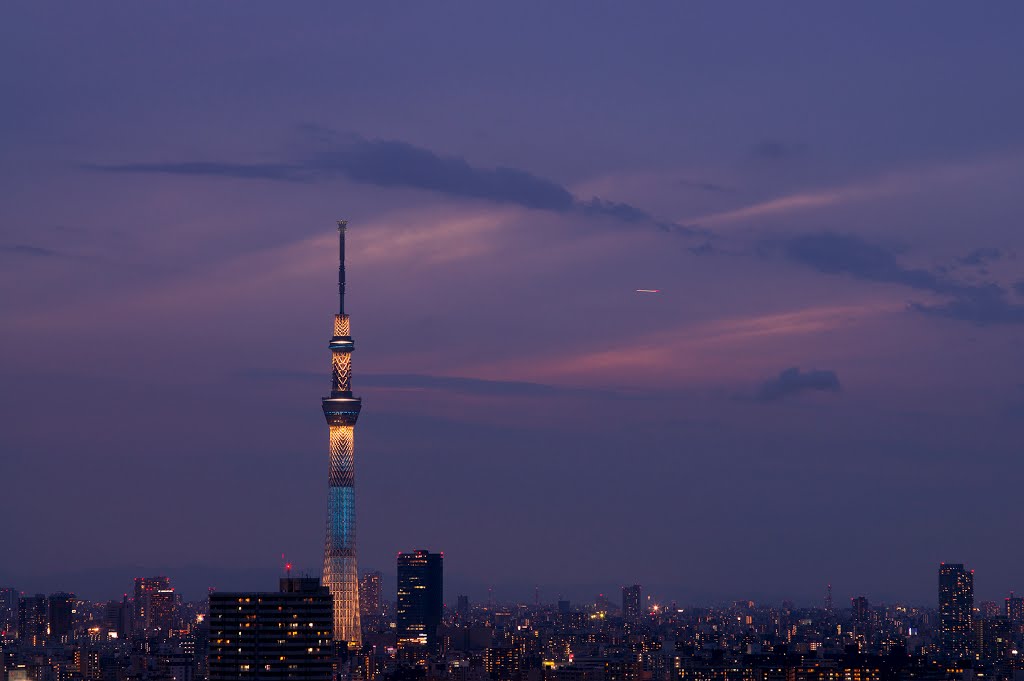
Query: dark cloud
x: 1019, y: 287
x: 391, y: 163
x: 832, y: 253
x: 775, y: 150
x: 980, y: 256
x: 792, y: 381
x: 31, y: 251
x: 984, y: 305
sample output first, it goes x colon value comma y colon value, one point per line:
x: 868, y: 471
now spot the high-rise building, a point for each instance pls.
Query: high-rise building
x: 162, y: 611
x: 369, y: 595
x: 8, y: 611
x: 420, y: 597
x: 861, y: 616
x: 116, y: 618
x: 1015, y: 610
x: 956, y: 611
x: 145, y: 587
x: 341, y: 409
x: 631, y: 603
x: 272, y: 636
x: 32, y: 619
x: 463, y: 606
x: 61, y: 613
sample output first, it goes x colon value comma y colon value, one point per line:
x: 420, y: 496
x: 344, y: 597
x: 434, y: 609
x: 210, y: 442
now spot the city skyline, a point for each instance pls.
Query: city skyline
x: 658, y: 296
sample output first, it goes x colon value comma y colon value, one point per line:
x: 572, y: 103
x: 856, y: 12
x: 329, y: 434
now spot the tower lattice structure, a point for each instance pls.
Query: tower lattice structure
x: 341, y: 409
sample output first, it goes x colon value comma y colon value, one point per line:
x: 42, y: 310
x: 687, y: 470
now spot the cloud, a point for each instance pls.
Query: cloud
x: 393, y: 163
x: 980, y: 256
x: 792, y: 381
x: 983, y: 305
x: 31, y: 251
x: 1019, y: 287
x: 833, y: 253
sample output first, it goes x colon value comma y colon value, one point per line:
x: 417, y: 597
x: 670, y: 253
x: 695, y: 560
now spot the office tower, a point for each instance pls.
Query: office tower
x: 341, y: 410
x: 993, y: 638
x: 956, y: 610
x: 631, y: 603
x: 1015, y: 610
x: 145, y: 587
x: 162, y: 611
x: 32, y: 619
x: 563, y: 606
x: 8, y: 611
x: 420, y: 597
x: 463, y: 606
x: 861, y: 616
x: 369, y: 595
x: 116, y: 618
x: 61, y: 611
x: 272, y: 636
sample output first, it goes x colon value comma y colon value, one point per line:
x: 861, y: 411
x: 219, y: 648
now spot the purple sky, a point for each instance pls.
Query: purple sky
x: 827, y: 388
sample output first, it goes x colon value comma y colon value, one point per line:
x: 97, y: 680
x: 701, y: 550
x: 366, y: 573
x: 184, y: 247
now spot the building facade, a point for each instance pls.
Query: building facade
x: 631, y: 603
x: 420, y: 597
x: 956, y: 611
x: 272, y: 636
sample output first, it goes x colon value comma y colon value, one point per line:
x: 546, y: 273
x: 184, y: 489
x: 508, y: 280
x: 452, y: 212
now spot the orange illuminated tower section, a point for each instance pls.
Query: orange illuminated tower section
x: 341, y: 574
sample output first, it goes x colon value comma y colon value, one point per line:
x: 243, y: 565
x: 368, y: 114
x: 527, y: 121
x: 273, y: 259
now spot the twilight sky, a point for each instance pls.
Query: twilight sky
x: 828, y: 388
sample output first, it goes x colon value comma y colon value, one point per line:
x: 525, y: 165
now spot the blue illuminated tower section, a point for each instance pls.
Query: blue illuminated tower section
x: 341, y: 574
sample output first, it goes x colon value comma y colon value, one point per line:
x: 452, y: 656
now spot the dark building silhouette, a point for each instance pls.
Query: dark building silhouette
x: 61, y: 614
x: 993, y: 639
x: 145, y: 588
x: 420, y: 597
x: 861, y: 616
x: 32, y: 619
x: 8, y: 611
x: 631, y: 603
x: 463, y: 606
x: 956, y: 611
x: 1015, y: 610
x: 272, y: 636
x: 370, y: 596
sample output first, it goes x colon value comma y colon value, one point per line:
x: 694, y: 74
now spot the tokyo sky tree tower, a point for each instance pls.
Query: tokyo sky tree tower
x: 341, y: 410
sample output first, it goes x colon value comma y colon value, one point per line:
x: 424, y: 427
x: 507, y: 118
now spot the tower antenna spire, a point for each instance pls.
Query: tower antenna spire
x: 342, y: 225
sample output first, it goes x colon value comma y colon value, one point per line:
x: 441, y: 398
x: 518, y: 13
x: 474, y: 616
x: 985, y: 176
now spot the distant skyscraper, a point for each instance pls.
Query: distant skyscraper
x: 32, y: 619
x: 8, y: 611
x: 369, y: 595
x: 282, y: 636
x: 116, y: 618
x: 463, y: 606
x: 956, y: 610
x: 162, y: 611
x: 631, y: 603
x: 61, y: 611
x: 145, y: 587
x: 861, y: 616
x: 420, y: 597
x: 1015, y: 610
x: 341, y: 409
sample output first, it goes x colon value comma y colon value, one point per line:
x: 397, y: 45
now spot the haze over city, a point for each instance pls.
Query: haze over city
x: 728, y: 304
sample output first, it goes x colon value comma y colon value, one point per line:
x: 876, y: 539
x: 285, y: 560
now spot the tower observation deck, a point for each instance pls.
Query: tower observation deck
x: 341, y: 409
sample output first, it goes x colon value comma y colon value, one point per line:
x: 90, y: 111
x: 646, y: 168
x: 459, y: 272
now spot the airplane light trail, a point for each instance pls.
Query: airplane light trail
x: 648, y: 290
